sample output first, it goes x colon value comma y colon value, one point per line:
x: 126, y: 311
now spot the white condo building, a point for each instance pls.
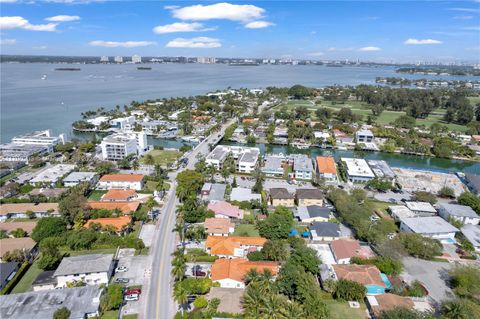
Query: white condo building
x: 104, y: 59
x: 118, y: 59
x: 358, y: 170
x: 246, y: 157
x: 43, y: 138
x: 136, y: 59
x: 118, y: 146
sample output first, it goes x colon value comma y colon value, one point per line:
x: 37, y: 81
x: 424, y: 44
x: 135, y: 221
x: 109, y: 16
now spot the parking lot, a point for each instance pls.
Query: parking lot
x: 204, y: 267
x: 433, y: 275
x: 136, y: 265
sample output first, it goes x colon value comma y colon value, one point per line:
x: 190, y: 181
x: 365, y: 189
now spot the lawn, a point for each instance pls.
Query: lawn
x: 25, y: 284
x: 132, y: 316
x: 246, y: 230
x: 151, y: 186
x: 341, y: 310
x: 65, y: 250
x: 96, y: 195
x: 112, y: 314
x: 163, y: 157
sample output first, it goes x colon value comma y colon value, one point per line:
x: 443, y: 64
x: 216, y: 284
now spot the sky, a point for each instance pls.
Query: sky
x: 381, y: 31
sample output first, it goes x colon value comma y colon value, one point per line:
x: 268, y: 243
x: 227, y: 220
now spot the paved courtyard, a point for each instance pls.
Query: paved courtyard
x: 147, y: 233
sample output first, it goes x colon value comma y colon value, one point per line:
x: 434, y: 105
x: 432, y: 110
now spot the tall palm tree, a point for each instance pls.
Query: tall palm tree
x: 455, y: 310
x: 178, y: 269
x: 180, y: 295
x: 252, y: 275
x: 252, y: 300
x: 293, y: 310
x: 273, y: 307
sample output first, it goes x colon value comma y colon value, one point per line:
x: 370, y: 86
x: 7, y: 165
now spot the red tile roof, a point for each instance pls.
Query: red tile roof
x: 119, y: 195
x: 326, y: 165
x: 345, y: 248
x: 363, y: 274
x: 225, y: 208
x: 122, y: 178
x: 218, y: 225
x: 220, y: 245
x: 118, y: 222
x: 237, y: 268
x: 125, y: 207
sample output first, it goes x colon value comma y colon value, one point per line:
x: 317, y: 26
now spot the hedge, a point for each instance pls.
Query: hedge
x: 12, y: 283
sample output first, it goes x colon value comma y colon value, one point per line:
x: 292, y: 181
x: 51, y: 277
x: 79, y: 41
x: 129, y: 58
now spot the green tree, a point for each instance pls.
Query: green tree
x: 466, y: 281
x: 446, y: 192
x: 299, y: 92
x: 276, y: 250
x: 18, y: 233
x: 149, y: 160
x: 48, y: 227
x: 72, y: 204
x: 428, y: 197
x: 470, y: 199
x: 277, y: 225
x: 419, y: 246
x: 113, y: 298
x: 405, y: 121
x: 460, y: 309
x: 62, y: 313
x: 189, y: 182
x: 349, y: 290
x: 401, y: 313
x: 50, y: 255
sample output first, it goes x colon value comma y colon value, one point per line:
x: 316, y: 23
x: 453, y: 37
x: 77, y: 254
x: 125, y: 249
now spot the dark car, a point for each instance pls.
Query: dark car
x: 197, y: 272
x: 122, y: 280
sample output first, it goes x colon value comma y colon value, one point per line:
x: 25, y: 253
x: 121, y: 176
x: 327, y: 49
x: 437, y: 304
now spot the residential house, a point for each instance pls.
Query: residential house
x: 273, y: 166
x: 325, y: 231
x: 20, y: 210
x: 281, y: 197
x: 45, y: 281
x: 11, y: 226
x: 119, y: 224
x: 93, y: 269
x: 464, y: 214
x: 246, y: 157
x: 472, y: 234
x: 400, y: 212
x: 51, y: 175
x: 242, y: 194
x: 367, y: 275
x: 224, y: 209
x: 230, y: 299
x: 82, y: 302
x: 380, y: 303
x: 381, y: 169
x: 364, y: 136
x: 124, y: 207
x: 8, y: 270
x: 218, y: 226
x: 326, y: 168
x: 233, y: 246
x: 303, y: 167
x: 119, y: 195
x: 422, y: 209
x: 213, y: 192
x: 121, y: 181
x: 309, y: 196
x: 230, y: 273
x: 76, y: 178
x: 344, y: 249
x: 358, y: 170
x: 25, y: 244
x: 48, y: 192
x: 433, y: 227
x: 313, y: 213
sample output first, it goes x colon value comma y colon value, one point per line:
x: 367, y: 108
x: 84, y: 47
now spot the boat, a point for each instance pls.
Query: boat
x: 301, y: 146
x: 44, y: 77
x: 67, y: 69
x: 191, y: 139
x: 243, y: 64
x: 144, y: 68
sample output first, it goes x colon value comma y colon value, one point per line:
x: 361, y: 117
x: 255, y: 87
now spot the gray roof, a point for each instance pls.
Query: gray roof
x: 309, y: 193
x: 325, y: 229
x: 249, y: 157
x: 304, y: 212
x: 6, y: 269
x: 84, y: 264
x: 272, y: 163
x: 429, y: 225
x: 474, y: 181
x: 458, y: 210
x: 381, y: 168
x: 472, y: 233
x: 302, y: 163
x: 45, y: 278
x: 217, y: 191
x: 219, y: 153
x: 280, y: 193
x: 244, y: 194
x: 79, y: 177
x: 42, y: 304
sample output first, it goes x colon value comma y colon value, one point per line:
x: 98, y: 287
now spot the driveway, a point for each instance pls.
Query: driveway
x: 433, y: 275
x: 147, y: 233
x: 205, y: 267
x: 136, y: 269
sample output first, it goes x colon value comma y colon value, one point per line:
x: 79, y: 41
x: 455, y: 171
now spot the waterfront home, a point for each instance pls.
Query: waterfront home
x: 364, y: 136
x: 344, y: 249
x: 121, y: 181
x: 213, y: 192
x: 302, y: 167
x: 21, y: 210
x: 119, y: 195
x: 367, y: 275
x: 242, y: 194
x: 433, y: 227
x: 76, y: 178
x: 281, y: 197
x: 461, y: 213
x: 120, y: 224
x: 233, y: 246
x: 230, y: 273
x: 118, y: 146
x: 472, y: 234
x: 224, y: 209
x: 92, y: 269
x: 218, y: 226
x: 381, y: 169
x: 309, y: 196
x: 324, y: 231
x: 82, y: 302
x: 358, y: 170
x: 26, y: 245
x: 246, y: 157
x: 123, y: 122
x: 125, y: 208
x: 273, y: 166
x: 313, y: 213
x: 326, y: 168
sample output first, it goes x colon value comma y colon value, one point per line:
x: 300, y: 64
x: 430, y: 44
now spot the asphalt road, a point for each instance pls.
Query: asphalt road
x: 158, y: 289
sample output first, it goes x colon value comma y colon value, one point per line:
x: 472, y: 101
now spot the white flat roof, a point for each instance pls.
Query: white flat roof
x: 429, y: 225
x: 357, y: 167
x: 324, y: 252
x: 421, y: 207
x: 401, y: 212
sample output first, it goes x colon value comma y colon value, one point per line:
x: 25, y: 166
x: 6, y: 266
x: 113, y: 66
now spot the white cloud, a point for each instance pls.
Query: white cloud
x: 235, y: 12
x: 424, y: 41
x: 258, y: 24
x: 63, y: 18
x: 16, y: 22
x: 369, y: 49
x: 8, y: 41
x: 41, y: 47
x: 171, y: 7
x: 8, y: 1
x: 194, y: 43
x: 333, y: 49
x: 476, y: 28
x: 316, y: 54
x: 125, y: 44
x: 464, y: 9
x: 181, y: 27
x: 463, y: 17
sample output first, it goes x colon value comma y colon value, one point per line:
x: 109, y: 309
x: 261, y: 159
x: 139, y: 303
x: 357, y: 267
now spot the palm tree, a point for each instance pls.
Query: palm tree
x: 179, y: 229
x: 273, y: 307
x: 135, y: 165
x: 455, y: 310
x: 293, y: 310
x: 180, y: 295
x: 252, y: 301
x: 178, y: 268
x: 252, y: 275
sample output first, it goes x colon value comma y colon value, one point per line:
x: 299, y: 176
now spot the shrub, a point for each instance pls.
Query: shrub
x: 200, y: 302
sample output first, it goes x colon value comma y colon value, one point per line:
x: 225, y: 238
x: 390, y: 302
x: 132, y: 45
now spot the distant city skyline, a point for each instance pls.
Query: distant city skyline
x: 378, y: 31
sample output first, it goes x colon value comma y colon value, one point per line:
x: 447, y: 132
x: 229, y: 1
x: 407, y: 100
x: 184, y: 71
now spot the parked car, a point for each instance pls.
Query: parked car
x: 198, y: 272
x: 132, y: 291
x: 122, y: 280
x: 131, y: 297
x: 121, y: 269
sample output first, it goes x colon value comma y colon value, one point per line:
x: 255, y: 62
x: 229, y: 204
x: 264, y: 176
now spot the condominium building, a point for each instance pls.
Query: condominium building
x: 104, y: 59
x: 123, y: 122
x: 206, y: 60
x: 118, y: 59
x: 136, y: 59
x: 118, y: 146
x: 246, y: 157
x: 358, y: 170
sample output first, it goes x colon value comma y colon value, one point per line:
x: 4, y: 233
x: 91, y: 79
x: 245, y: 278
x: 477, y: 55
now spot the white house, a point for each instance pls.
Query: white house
x: 464, y: 214
x: 358, y: 170
x: 76, y: 178
x: 364, y: 136
x: 122, y: 122
x: 433, y: 227
x: 302, y: 167
x: 121, y: 181
x: 92, y: 269
x: 118, y: 146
